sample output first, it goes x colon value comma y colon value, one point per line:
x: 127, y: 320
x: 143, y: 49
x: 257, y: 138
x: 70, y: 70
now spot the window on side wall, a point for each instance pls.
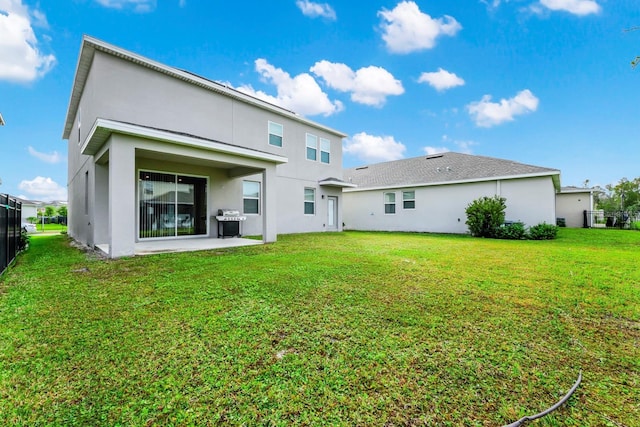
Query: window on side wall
x: 251, y: 197
x: 309, y: 201
x: 325, y: 150
x: 275, y: 134
x: 312, y: 147
x: 86, y: 193
x: 389, y: 203
x: 409, y: 199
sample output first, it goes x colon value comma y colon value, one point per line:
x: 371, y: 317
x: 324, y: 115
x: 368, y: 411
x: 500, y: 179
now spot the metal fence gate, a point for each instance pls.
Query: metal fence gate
x: 612, y: 219
x: 10, y: 229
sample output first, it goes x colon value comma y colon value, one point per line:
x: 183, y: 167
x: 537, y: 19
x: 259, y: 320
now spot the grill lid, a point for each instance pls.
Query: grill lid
x: 228, y: 212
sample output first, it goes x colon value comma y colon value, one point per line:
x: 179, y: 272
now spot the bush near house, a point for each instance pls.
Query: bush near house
x: 485, y: 218
x: 543, y: 231
x: 485, y: 215
x: 513, y: 231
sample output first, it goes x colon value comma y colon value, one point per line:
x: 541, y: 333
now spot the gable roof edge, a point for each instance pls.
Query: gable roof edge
x: 87, y: 51
x: 554, y: 174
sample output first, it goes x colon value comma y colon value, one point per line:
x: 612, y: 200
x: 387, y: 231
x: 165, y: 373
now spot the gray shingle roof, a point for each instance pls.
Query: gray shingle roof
x: 442, y: 168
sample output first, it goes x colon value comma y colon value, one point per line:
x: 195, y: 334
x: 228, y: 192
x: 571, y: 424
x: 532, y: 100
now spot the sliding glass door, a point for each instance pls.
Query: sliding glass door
x: 171, y: 205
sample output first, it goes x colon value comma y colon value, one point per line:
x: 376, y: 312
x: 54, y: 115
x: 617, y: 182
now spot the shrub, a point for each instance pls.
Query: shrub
x: 543, y: 231
x: 485, y: 215
x: 23, y: 243
x: 513, y: 231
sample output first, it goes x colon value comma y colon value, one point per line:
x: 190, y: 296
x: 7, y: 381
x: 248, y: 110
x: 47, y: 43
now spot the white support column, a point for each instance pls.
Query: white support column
x: 122, y: 197
x: 269, y: 205
x: 101, y: 205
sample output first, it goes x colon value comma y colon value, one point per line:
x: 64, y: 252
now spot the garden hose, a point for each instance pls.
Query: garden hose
x: 523, y: 420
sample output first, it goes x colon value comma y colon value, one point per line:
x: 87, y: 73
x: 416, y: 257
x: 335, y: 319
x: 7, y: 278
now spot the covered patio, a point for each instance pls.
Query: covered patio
x: 150, y: 182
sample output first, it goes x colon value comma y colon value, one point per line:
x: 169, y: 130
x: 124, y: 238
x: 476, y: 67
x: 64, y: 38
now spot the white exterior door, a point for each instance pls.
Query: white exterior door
x: 332, y: 213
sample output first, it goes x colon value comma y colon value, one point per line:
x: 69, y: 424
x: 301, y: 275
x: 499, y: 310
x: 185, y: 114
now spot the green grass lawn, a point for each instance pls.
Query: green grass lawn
x: 50, y: 227
x: 340, y: 329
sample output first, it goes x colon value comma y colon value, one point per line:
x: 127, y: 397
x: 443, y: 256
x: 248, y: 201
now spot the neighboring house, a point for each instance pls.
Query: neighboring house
x: 430, y: 193
x: 571, y: 204
x: 29, y: 209
x: 155, y: 152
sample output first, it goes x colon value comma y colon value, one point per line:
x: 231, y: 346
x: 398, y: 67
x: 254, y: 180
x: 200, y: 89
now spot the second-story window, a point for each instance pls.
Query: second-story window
x: 275, y: 134
x: 312, y: 147
x: 325, y: 150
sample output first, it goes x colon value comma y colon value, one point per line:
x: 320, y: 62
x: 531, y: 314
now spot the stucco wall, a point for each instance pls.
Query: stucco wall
x: 123, y: 91
x: 441, y: 208
x: 529, y: 200
x: 571, y: 206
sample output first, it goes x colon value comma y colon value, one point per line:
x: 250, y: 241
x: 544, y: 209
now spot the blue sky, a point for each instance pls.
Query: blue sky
x: 543, y: 82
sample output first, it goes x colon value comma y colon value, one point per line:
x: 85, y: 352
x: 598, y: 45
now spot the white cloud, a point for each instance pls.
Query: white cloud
x: 487, y: 114
x: 463, y: 146
x: 314, y: 10
x: 435, y: 150
x: 370, y: 148
x: 43, y: 188
x: 441, y: 80
x: 406, y: 29
x: 54, y: 157
x: 301, y: 93
x: 493, y: 4
x: 140, y: 6
x: 369, y: 85
x: 20, y: 56
x: 576, y: 7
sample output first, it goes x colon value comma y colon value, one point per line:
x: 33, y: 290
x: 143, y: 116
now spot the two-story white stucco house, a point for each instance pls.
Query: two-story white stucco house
x: 155, y: 152
x: 431, y: 193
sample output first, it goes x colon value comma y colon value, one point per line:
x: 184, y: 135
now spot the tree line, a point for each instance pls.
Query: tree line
x: 623, y: 196
x: 50, y: 212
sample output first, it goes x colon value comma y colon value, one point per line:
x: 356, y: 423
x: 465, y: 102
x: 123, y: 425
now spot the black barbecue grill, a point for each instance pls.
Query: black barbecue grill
x: 229, y: 223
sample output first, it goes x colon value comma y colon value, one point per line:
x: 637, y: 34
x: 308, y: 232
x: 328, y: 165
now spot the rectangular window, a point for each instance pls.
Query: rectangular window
x: 251, y: 197
x: 312, y: 147
x: 325, y: 150
x: 408, y: 199
x: 275, y: 134
x: 389, y: 203
x: 309, y: 201
x: 86, y: 193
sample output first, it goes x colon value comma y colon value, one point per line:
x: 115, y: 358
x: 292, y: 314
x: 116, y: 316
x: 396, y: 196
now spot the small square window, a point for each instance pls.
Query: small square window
x: 275, y: 134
